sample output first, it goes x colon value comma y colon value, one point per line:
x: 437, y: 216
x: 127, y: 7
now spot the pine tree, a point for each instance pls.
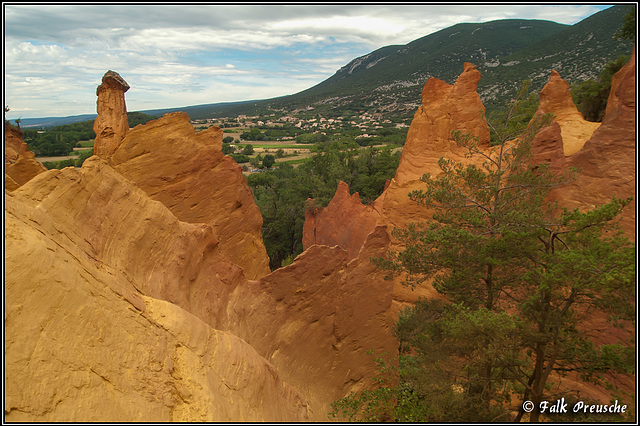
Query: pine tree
x: 519, y: 277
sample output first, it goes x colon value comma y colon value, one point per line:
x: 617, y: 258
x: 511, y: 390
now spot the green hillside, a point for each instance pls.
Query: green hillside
x: 578, y: 53
x: 388, y: 82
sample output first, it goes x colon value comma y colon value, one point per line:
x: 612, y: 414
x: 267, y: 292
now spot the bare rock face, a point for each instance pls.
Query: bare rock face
x: 555, y: 98
x: 547, y: 148
x: 345, y: 222
x: 136, y: 300
x: 316, y: 319
x: 129, y: 307
x: 110, y: 302
x: 111, y: 125
x: 111, y: 220
x: 20, y: 164
x: 187, y: 172
x: 607, y: 159
x: 444, y: 108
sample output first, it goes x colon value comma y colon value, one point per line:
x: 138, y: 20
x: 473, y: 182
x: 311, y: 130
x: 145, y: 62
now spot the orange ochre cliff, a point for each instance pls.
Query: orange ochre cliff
x: 137, y: 287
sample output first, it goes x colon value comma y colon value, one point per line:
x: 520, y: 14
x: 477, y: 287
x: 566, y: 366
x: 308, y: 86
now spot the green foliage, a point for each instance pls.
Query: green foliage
x: 59, y: 140
x: 628, y: 30
x: 253, y: 135
x: 71, y: 162
x: 240, y: 158
x: 519, y: 277
x: 590, y: 96
x: 377, y: 405
x: 135, y: 118
x: 311, y: 138
x: 247, y: 149
x: 227, y: 139
x: 281, y: 194
x: 228, y: 149
x: 268, y: 161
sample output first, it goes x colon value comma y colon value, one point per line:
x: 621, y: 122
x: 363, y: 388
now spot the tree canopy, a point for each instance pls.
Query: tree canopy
x: 520, y: 280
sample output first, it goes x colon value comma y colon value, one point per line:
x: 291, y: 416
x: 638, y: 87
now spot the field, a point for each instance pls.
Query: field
x: 294, y: 153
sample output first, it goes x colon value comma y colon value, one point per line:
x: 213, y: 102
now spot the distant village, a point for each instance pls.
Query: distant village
x: 364, y: 125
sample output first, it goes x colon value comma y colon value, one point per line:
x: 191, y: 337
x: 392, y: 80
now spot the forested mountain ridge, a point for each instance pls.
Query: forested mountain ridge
x: 390, y: 77
x: 506, y: 52
x: 388, y: 81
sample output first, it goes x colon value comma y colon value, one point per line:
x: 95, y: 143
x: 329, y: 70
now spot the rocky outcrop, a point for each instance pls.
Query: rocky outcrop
x: 610, y: 147
x: 607, y: 161
x: 127, y: 298
x: 132, y: 313
x: 187, y: 172
x: 112, y: 124
x: 345, y: 222
x: 20, y: 164
x: 115, y: 223
x: 316, y: 319
x: 444, y: 108
x: 555, y: 98
x: 603, y: 153
x: 83, y: 344
x: 129, y: 307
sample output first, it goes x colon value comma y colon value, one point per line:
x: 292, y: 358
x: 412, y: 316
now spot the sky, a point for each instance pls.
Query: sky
x: 175, y: 55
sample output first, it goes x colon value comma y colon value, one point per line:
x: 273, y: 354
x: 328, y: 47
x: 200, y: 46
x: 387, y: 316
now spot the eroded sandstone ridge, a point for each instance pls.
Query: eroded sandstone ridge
x: 605, y: 154
x: 100, y: 282
x: 187, y: 172
x: 608, y: 159
x: 555, y: 98
x: 137, y: 289
x: 20, y: 164
x: 127, y: 297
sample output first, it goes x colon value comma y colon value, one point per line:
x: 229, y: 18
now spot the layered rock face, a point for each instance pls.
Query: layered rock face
x: 555, y: 98
x: 127, y: 298
x: 20, y: 164
x: 85, y: 338
x: 188, y: 173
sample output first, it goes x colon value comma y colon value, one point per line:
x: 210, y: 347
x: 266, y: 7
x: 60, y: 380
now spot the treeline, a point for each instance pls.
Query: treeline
x: 60, y: 140
x: 70, y: 162
x: 282, y: 194
x: 590, y: 96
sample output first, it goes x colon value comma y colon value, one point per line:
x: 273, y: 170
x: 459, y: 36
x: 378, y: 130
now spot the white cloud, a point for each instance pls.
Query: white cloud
x: 179, y: 55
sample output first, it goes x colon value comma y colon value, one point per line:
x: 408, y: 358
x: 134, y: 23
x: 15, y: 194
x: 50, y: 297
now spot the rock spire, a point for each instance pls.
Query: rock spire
x: 112, y: 124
